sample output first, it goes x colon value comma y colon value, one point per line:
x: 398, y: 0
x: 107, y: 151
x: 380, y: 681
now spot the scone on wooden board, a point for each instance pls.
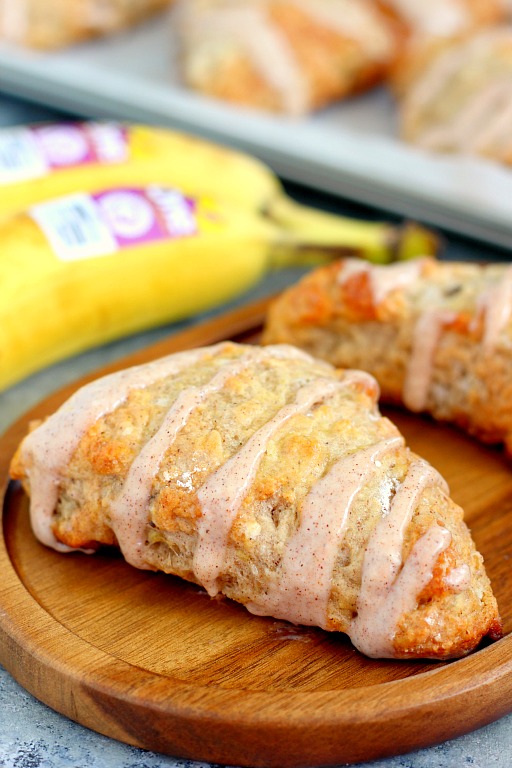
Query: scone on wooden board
x: 437, y: 336
x: 51, y: 24
x: 270, y: 477
x: 462, y: 100
x: 288, y: 56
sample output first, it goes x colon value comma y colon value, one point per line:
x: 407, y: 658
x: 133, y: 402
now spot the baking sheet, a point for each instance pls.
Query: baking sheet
x: 350, y: 149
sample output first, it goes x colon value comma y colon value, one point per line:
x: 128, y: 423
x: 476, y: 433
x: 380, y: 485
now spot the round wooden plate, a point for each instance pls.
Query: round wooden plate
x: 154, y: 662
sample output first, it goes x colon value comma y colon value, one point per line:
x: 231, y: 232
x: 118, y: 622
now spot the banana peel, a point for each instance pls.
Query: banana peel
x: 56, y: 159
x: 56, y: 302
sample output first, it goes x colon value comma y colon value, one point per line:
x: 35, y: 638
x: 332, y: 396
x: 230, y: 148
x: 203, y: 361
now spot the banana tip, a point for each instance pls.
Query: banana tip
x: 416, y: 240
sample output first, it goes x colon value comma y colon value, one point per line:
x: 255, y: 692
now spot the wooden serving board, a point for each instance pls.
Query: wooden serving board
x: 153, y: 661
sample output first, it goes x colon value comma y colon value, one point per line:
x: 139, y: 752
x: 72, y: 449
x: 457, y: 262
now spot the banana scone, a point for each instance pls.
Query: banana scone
x: 462, y: 100
x: 436, y: 336
x: 51, y: 24
x: 288, y: 56
x: 430, y: 28
x: 270, y: 477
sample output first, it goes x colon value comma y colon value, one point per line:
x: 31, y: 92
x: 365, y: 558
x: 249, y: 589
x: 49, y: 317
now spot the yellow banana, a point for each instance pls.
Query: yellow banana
x: 52, y: 308
x: 41, y: 162
x: 80, y: 270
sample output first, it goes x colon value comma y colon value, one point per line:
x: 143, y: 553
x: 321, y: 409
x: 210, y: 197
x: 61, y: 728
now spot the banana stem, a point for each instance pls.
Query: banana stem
x: 311, y: 236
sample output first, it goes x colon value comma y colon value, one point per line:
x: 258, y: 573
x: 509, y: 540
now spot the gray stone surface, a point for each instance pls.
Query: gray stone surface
x: 31, y: 734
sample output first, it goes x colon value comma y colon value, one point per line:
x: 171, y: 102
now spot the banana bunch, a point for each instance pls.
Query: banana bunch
x: 107, y: 230
x: 43, y: 161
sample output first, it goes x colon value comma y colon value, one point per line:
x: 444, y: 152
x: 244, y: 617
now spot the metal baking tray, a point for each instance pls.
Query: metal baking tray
x: 351, y: 149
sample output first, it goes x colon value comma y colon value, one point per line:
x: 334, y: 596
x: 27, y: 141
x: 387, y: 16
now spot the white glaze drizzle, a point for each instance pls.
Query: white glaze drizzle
x: 428, y: 87
x: 309, y: 559
x: 129, y: 511
x: 418, y: 374
x: 302, y: 585
x: 437, y: 17
x: 47, y: 450
x: 102, y: 16
x: 380, y: 603
x: 495, y: 139
x: 273, y: 57
x: 384, y: 279
x: 268, y: 49
x: 14, y: 20
x: 458, y: 578
x: 445, y: 67
x: 224, y: 491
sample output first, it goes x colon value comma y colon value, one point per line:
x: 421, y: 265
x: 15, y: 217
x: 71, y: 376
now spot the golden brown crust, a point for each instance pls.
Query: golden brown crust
x: 339, y: 425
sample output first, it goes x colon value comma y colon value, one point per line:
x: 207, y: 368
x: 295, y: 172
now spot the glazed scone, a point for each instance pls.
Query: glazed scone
x: 431, y: 28
x: 272, y: 478
x: 49, y: 24
x: 437, y: 336
x: 288, y: 56
x: 462, y: 102
x: 445, y: 18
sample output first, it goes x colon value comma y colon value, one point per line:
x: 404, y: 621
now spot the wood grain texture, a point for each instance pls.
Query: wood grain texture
x: 153, y: 661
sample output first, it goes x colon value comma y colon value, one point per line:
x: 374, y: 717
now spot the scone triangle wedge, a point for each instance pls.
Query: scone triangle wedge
x: 265, y: 475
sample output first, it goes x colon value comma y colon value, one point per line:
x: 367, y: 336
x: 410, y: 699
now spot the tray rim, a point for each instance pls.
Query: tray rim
x: 484, y: 678
x: 361, y: 172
